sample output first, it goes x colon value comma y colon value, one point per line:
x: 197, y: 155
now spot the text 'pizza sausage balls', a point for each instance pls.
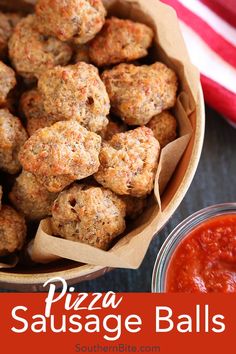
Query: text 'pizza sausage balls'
x: 31, y: 198
x: 7, y: 81
x: 120, y: 41
x: 31, y: 106
x: 12, y: 231
x: 12, y: 137
x: 164, y: 126
x: 31, y: 52
x: 61, y: 154
x: 129, y: 162
x: 7, y: 22
x: 137, y: 93
x: 77, y: 20
x: 76, y: 92
x: 91, y: 215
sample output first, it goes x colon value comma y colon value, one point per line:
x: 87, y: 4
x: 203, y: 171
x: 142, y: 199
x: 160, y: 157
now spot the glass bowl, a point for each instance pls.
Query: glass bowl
x: 177, y: 235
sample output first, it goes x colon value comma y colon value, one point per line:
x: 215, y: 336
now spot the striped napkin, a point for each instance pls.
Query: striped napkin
x: 209, y: 29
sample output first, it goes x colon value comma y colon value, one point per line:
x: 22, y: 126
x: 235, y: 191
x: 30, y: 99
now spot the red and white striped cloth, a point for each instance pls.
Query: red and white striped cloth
x: 209, y: 29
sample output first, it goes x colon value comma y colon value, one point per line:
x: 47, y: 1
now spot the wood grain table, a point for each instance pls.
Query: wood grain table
x: 215, y: 182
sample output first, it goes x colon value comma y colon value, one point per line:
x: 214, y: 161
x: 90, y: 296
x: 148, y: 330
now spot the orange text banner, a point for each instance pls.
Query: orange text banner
x: 124, y: 322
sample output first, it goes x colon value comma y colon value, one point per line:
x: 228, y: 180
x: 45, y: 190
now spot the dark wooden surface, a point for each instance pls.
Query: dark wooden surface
x: 215, y: 182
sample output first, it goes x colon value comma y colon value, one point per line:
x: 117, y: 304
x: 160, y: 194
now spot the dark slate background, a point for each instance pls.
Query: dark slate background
x: 215, y: 182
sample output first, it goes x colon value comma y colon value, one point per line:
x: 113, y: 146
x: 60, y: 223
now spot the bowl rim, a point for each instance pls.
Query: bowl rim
x: 76, y: 273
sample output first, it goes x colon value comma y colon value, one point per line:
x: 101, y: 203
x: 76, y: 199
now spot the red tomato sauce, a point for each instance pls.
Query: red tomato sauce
x: 205, y: 261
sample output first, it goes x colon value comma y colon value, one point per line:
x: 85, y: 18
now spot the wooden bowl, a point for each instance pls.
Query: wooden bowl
x: 32, y: 279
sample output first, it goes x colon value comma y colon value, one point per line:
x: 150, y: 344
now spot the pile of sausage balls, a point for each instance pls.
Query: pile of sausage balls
x: 82, y: 121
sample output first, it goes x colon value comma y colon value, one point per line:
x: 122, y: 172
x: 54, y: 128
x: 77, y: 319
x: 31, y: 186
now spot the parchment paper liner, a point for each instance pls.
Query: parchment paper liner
x: 130, y: 250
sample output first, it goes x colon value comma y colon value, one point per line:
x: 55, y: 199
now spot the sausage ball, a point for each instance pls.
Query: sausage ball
x: 12, y: 137
x: 82, y: 54
x: 12, y: 101
x: 31, y: 106
x: 134, y: 206
x: 129, y: 162
x: 12, y: 231
x: 7, y: 23
x: 91, y: 215
x: 7, y: 81
x: 164, y: 127
x: 31, y: 53
x: 113, y: 127
x: 61, y: 154
x: 120, y: 41
x: 31, y: 198
x: 77, y: 20
x: 76, y: 92
x: 137, y: 93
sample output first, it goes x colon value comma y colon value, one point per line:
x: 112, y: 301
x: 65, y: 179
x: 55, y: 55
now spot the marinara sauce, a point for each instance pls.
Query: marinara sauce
x: 205, y: 261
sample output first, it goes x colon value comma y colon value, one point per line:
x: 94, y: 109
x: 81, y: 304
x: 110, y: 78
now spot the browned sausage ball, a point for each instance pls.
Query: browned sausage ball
x: 31, y: 53
x: 77, y: 20
x: 76, y: 92
x: 31, y: 106
x: 91, y: 215
x: 12, y: 101
x: 129, y: 162
x: 137, y: 93
x: 12, y: 137
x: 31, y: 198
x: 134, y: 206
x: 12, y: 231
x: 7, y: 81
x: 7, y: 22
x: 82, y: 54
x: 164, y: 126
x: 61, y: 154
x: 113, y: 127
x: 120, y: 41
x: 13, y: 18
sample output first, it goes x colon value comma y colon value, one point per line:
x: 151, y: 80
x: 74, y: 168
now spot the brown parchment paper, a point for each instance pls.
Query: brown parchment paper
x: 130, y: 250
